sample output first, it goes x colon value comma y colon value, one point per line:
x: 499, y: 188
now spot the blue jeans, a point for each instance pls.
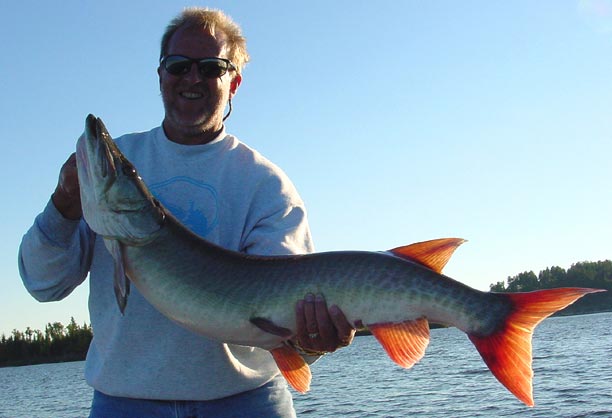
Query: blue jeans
x: 271, y: 400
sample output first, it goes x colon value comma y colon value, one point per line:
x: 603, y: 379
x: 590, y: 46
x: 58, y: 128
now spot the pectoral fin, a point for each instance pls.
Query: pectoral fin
x: 121, y: 282
x: 404, y: 342
x: 270, y: 327
x: 293, y: 368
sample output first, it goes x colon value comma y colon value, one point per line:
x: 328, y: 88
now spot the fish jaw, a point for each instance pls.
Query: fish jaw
x: 115, y: 202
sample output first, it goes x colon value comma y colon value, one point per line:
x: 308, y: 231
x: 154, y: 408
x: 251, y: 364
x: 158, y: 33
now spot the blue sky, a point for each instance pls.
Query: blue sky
x: 398, y: 121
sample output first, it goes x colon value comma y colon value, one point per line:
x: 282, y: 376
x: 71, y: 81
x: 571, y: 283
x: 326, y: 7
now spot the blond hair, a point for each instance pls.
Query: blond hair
x: 214, y: 21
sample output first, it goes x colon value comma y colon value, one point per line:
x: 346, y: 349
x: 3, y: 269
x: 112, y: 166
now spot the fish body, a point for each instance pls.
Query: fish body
x: 228, y: 287
x: 250, y: 300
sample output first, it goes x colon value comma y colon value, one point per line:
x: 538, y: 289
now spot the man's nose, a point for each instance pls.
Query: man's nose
x: 193, y: 75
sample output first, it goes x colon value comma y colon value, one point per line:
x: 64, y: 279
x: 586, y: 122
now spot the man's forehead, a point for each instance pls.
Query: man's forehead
x: 198, y: 38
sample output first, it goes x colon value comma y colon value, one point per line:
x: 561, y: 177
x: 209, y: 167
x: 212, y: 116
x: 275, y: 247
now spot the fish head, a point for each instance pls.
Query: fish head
x: 116, y: 203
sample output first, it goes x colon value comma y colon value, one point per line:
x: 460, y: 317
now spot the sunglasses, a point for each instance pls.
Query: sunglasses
x: 208, y: 67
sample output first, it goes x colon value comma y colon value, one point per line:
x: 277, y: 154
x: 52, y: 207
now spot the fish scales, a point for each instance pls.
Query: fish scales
x: 271, y: 294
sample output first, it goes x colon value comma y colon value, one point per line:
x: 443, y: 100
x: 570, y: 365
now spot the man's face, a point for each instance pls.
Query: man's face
x: 194, y: 104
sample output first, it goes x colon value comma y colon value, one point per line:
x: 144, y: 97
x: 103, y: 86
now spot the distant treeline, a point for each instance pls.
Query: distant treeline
x: 56, y: 344
x: 596, y: 275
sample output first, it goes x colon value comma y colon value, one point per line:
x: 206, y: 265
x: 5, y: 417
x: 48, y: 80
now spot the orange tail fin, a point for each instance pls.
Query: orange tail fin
x: 507, y: 352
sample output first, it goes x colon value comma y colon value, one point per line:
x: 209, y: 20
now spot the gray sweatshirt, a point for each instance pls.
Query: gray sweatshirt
x: 224, y: 191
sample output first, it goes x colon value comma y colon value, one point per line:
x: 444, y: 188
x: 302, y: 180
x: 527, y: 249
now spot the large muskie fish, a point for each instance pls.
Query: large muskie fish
x: 249, y: 300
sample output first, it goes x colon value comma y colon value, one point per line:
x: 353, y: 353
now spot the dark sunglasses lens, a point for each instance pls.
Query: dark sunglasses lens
x: 208, y: 67
x: 212, y: 68
x: 177, y: 65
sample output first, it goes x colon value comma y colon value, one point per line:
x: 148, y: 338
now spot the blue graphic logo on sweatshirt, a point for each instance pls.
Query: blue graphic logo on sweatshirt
x: 193, y: 203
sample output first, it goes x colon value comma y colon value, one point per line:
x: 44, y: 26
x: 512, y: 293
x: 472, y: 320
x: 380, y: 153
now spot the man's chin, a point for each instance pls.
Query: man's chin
x: 184, y: 128
x: 195, y: 124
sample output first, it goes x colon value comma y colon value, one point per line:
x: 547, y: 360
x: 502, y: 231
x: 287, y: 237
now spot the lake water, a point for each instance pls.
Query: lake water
x: 572, y: 364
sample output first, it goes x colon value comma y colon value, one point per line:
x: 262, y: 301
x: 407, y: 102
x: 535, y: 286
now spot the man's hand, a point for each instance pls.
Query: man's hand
x: 67, y: 197
x: 320, y: 329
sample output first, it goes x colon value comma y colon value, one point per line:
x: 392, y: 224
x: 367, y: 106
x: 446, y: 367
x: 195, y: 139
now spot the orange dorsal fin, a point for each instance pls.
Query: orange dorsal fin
x: 293, y: 368
x: 507, y: 351
x: 404, y: 342
x: 432, y: 254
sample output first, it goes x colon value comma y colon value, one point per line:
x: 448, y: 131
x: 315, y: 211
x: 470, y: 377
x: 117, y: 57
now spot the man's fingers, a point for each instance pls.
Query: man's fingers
x: 345, y: 330
x: 69, y: 179
x: 300, y: 321
x: 319, y: 328
x: 66, y: 196
x: 327, y: 332
x: 310, y: 315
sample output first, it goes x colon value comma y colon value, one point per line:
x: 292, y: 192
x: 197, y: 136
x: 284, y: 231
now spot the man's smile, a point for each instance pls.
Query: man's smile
x: 191, y: 95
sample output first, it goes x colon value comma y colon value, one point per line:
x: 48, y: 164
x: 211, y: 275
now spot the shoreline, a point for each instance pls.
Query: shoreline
x: 72, y: 357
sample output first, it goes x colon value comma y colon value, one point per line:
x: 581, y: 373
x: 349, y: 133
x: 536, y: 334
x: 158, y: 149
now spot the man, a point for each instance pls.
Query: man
x: 142, y: 364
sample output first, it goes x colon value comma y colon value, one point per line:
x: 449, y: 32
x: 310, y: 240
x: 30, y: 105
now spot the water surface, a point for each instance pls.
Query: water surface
x: 572, y: 365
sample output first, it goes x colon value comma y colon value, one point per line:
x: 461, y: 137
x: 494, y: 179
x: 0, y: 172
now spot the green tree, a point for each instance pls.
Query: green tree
x: 596, y: 275
x: 498, y: 287
x: 57, y: 343
x: 552, y: 277
x: 523, y: 282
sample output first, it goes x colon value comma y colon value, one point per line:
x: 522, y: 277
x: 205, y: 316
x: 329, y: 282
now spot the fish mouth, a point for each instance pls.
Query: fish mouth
x: 94, y: 159
x: 101, y: 146
x: 116, y: 203
x: 101, y: 156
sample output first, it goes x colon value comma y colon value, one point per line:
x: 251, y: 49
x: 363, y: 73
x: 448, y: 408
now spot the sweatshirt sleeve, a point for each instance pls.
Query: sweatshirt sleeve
x: 277, y: 223
x: 55, y: 255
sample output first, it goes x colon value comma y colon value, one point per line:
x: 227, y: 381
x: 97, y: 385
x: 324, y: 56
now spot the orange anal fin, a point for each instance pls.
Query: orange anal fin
x: 293, y: 368
x: 507, y: 352
x: 432, y: 254
x: 404, y: 342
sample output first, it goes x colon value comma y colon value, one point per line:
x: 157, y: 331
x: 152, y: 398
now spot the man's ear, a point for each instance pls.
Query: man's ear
x: 234, y: 84
x: 159, y: 75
